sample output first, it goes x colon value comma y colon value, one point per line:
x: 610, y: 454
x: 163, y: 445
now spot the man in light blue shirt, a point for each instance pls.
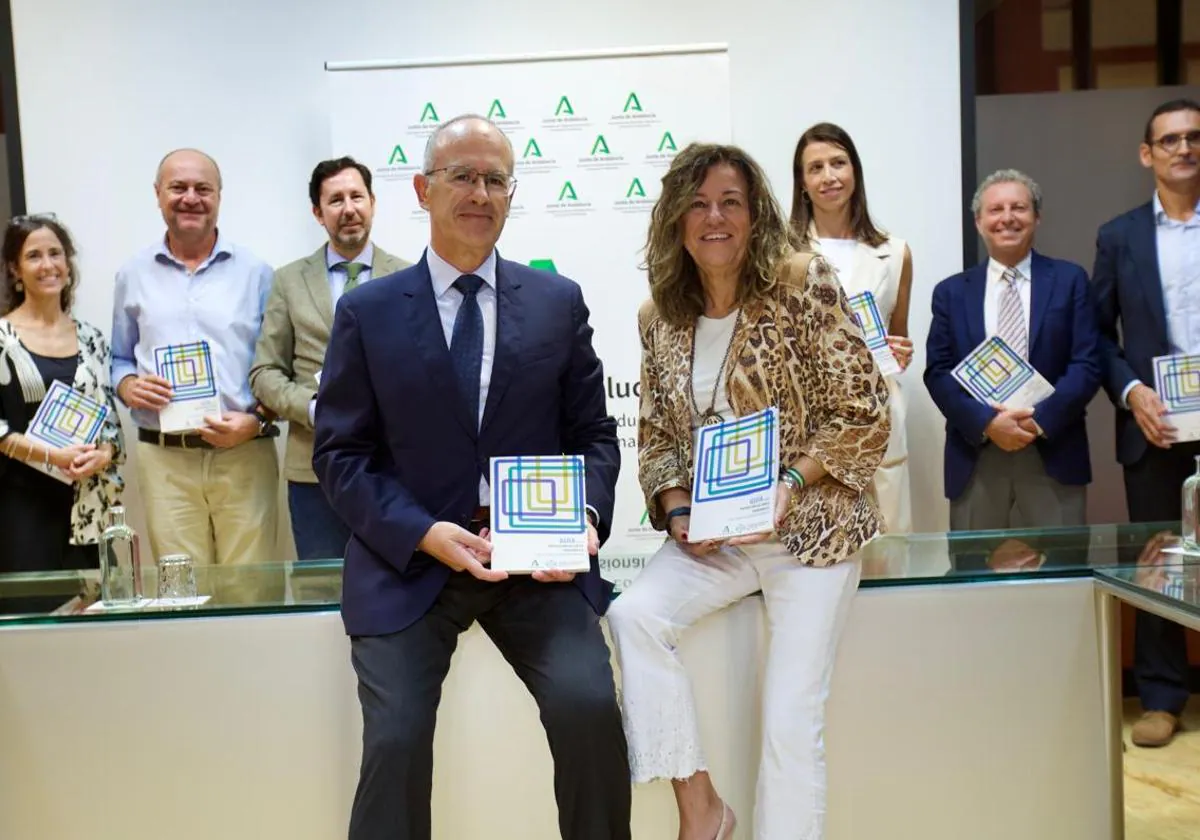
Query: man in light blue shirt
x: 209, y: 493
x: 1146, y: 280
x: 295, y: 332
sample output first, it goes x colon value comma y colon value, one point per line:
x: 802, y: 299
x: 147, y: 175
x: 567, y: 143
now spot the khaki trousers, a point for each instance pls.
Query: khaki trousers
x: 218, y: 506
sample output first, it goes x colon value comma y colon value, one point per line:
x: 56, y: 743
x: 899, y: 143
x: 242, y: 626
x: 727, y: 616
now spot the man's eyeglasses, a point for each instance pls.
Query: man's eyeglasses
x: 1170, y: 142
x: 497, y: 184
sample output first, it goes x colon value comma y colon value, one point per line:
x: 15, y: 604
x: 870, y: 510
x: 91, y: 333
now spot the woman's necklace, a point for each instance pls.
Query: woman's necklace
x: 710, y: 416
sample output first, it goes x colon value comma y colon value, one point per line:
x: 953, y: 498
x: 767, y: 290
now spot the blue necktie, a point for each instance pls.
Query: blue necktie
x: 466, y: 342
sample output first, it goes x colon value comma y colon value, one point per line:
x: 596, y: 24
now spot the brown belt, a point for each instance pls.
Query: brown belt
x: 184, y: 441
x: 480, y: 519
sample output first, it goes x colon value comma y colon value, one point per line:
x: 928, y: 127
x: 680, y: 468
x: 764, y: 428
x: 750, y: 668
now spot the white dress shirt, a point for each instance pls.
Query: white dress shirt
x: 449, y: 299
x: 995, y: 287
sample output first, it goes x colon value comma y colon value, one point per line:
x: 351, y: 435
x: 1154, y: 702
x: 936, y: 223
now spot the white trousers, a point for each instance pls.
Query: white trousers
x: 806, y: 610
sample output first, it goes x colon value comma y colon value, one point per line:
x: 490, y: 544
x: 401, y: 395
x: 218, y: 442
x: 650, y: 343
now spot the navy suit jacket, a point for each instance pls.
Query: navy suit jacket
x: 395, y: 450
x: 1128, y: 289
x: 1063, y: 348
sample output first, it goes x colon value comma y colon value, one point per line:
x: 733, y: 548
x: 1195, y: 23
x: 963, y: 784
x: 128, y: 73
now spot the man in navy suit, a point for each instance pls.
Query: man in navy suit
x: 1147, y: 282
x: 430, y: 372
x: 1026, y: 467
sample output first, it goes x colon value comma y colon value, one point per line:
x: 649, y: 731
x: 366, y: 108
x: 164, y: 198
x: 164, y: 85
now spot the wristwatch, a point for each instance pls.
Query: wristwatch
x: 266, y: 428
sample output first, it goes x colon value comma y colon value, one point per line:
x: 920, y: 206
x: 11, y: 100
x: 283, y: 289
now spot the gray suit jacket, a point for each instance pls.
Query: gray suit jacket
x: 291, y: 349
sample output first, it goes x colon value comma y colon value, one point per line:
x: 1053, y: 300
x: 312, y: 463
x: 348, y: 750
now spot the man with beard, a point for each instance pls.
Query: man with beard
x: 1145, y: 281
x: 209, y: 493
x: 295, y: 332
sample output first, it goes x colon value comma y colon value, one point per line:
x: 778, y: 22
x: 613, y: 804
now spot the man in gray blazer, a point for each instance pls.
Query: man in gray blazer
x: 295, y: 332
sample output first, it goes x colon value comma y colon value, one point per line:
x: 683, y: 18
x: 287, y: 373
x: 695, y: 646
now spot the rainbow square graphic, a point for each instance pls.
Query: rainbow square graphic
x: 188, y: 368
x: 736, y: 458
x: 1177, y: 380
x: 993, y: 372
x: 66, y: 417
x: 539, y: 494
x: 866, y: 312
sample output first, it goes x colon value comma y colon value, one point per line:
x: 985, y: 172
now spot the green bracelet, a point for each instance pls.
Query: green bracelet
x: 796, y: 477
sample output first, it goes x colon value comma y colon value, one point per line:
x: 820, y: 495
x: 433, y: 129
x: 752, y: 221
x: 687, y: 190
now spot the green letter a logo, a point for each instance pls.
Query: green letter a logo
x: 531, y: 149
x: 567, y: 193
x: 667, y: 142
x: 635, y: 189
x: 428, y: 113
x: 497, y: 110
x: 632, y: 104
x: 564, y: 107
x: 600, y: 147
x: 398, y: 156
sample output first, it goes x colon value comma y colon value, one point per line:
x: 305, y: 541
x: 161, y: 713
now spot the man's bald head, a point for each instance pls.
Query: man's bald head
x: 193, y: 154
x: 458, y: 128
x: 188, y: 188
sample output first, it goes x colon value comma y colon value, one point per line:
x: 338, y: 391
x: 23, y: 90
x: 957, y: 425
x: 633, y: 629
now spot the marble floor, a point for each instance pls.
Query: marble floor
x: 1162, y: 786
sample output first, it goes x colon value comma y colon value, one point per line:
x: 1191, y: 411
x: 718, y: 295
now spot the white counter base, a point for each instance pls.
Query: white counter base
x: 957, y: 711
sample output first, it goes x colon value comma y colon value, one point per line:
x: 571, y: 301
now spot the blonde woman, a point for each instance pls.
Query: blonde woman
x: 739, y: 321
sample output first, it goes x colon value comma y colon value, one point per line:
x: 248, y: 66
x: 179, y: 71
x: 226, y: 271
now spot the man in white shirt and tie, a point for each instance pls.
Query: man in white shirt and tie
x: 1026, y: 467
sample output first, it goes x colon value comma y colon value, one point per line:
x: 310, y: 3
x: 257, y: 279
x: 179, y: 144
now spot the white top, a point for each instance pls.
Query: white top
x: 840, y: 253
x: 991, y: 297
x: 449, y: 300
x: 712, y: 340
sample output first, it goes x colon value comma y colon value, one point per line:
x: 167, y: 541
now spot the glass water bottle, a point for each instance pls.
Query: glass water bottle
x: 120, y: 562
x: 1191, y: 509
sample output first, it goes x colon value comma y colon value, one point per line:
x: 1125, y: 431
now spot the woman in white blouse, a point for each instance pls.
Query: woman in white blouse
x: 829, y: 215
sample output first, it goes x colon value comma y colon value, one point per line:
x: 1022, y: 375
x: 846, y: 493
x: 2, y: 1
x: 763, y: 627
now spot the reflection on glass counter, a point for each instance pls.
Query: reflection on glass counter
x: 901, y: 560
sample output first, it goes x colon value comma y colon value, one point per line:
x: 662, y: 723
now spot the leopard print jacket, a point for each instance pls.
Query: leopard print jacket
x: 799, y: 349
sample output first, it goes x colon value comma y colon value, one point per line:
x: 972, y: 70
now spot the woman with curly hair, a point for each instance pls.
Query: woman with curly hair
x: 739, y: 321
x: 48, y: 524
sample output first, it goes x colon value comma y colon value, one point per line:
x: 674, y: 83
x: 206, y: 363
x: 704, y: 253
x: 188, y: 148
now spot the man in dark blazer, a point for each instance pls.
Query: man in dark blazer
x: 1147, y: 288
x: 430, y: 372
x: 1028, y: 467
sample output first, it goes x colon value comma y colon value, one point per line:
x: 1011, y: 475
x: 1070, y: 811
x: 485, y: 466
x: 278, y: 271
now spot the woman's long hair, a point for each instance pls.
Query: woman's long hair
x: 674, y: 276
x: 15, y: 234
x: 802, y: 209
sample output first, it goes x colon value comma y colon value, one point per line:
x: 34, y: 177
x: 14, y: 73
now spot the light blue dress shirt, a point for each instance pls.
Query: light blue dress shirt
x: 157, y: 301
x: 1178, y: 247
x: 1179, y: 266
x: 338, y: 277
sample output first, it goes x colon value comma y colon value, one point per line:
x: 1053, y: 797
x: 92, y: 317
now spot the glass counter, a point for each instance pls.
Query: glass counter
x: 901, y: 560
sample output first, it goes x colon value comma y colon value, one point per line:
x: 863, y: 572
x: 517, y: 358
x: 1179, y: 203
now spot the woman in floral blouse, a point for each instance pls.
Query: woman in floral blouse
x: 53, y: 500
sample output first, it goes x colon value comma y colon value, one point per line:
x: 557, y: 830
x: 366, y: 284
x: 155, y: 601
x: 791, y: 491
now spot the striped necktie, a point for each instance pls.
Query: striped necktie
x: 1011, y: 324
